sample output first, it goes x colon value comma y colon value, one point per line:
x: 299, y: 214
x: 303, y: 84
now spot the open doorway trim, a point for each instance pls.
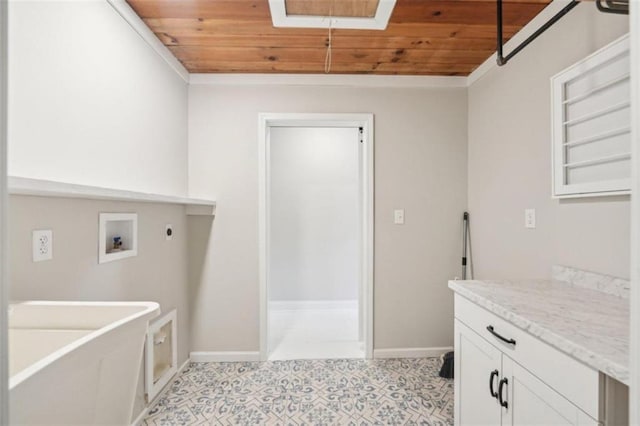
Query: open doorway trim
x: 4, y: 373
x: 634, y: 359
x: 265, y: 122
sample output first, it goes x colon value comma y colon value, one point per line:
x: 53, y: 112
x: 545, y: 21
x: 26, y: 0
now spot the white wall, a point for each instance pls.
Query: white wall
x: 314, y: 214
x: 90, y: 102
x: 420, y: 165
x: 510, y: 164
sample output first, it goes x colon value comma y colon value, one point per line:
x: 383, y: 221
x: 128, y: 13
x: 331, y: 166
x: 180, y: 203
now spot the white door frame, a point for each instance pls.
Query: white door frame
x: 268, y: 120
x: 634, y: 358
x: 4, y: 368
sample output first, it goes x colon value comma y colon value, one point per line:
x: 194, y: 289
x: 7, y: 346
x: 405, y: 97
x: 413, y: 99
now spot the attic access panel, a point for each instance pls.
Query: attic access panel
x: 345, y: 9
x: 345, y: 14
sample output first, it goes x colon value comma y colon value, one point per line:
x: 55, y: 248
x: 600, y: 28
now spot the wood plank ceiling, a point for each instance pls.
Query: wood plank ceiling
x: 424, y: 37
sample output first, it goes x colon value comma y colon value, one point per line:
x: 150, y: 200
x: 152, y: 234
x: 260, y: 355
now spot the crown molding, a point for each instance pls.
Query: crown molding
x: 138, y: 25
x: 339, y: 80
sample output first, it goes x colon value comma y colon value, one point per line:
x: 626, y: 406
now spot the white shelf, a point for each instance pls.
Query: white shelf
x: 47, y: 188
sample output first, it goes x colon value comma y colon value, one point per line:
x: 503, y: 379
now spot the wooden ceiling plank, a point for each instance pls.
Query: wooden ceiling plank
x: 424, y: 37
x: 180, y: 27
x: 462, y: 12
x: 203, y: 9
x: 350, y: 42
x: 225, y: 66
x: 233, y: 54
x: 546, y: 2
x: 422, y: 11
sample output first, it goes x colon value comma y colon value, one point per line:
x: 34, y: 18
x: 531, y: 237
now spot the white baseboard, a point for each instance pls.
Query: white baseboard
x: 225, y: 356
x: 138, y: 420
x: 141, y: 416
x: 411, y: 352
x: 299, y: 305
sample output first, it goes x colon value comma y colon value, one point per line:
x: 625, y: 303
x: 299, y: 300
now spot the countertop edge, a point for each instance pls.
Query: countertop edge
x: 580, y: 353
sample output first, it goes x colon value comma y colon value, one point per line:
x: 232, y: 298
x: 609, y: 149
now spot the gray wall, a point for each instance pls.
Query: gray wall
x: 510, y: 165
x: 420, y: 165
x: 158, y: 273
x: 314, y: 214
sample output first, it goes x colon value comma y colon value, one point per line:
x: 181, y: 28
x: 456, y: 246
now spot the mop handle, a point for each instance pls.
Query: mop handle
x: 465, y: 228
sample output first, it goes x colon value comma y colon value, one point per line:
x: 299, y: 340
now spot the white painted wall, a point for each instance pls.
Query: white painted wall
x: 510, y: 164
x: 90, y: 102
x: 420, y: 165
x: 314, y: 214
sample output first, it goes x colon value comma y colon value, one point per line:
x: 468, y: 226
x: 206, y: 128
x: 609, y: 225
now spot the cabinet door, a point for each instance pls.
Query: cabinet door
x: 532, y: 402
x: 475, y: 361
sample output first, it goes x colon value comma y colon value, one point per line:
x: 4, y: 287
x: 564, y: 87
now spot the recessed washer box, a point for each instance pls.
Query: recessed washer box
x: 118, y: 238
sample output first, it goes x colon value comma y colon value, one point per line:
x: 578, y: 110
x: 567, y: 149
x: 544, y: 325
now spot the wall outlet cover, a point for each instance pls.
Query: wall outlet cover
x: 42, y: 244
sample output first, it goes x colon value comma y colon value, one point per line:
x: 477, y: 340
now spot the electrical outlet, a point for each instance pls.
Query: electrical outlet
x: 398, y: 217
x: 530, y: 218
x: 42, y: 244
x: 168, y: 233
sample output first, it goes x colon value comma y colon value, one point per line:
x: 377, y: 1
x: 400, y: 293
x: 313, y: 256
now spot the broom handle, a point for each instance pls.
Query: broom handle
x: 465, y: 230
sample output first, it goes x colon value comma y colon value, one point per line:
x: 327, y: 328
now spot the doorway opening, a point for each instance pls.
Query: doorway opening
x: 316, y: 232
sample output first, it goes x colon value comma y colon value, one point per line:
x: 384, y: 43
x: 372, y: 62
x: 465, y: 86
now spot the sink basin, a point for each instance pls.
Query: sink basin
x: 75, y: 363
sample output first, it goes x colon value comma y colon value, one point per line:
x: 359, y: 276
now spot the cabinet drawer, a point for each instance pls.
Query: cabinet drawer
x: 577, y: 382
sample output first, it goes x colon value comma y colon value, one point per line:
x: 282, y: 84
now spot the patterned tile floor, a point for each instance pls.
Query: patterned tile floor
x: 308, y: 392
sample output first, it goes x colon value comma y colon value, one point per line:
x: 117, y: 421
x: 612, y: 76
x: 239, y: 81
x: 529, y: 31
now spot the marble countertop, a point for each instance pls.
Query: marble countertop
x: 587, y: 324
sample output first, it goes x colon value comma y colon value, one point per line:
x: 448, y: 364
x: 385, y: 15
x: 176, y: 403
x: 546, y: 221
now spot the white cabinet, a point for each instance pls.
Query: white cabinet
x: 492, y: 389
x: 477, y: 367
x: 504, y: 376
x: 531, y: 402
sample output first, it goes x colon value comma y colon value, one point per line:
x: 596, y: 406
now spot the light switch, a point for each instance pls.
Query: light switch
x: 398, y: 217
x: 530, y: 218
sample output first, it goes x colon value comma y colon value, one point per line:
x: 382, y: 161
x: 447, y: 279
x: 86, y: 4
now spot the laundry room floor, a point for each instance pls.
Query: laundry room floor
x: 307, y: 392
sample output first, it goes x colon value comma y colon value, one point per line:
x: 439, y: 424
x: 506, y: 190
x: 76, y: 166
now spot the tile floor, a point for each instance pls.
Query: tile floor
x: 314, y: 334
x: 307, y: 392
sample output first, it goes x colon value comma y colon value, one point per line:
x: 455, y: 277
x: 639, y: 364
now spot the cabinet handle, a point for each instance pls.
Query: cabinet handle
x: 504, y: 339
x: 492, y: 376
x: 503, y: 382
